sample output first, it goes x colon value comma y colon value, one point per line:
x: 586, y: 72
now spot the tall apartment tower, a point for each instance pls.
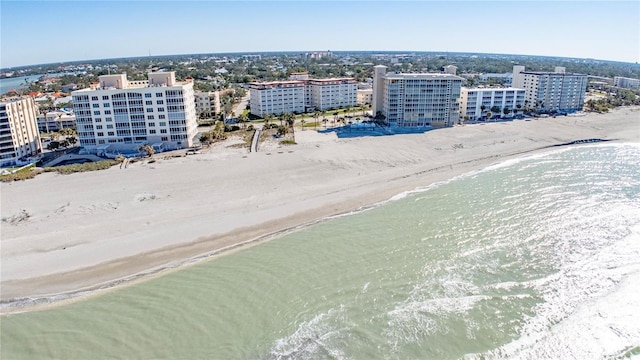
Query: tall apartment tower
x: 378, y: 84
x: 19, y: 137
x: 120, y: 115
x: 517, y: 80
x: 551, y: 91
x: 416, y: 100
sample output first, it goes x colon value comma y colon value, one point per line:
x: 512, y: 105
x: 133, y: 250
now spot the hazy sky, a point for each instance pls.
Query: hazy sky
x: 36, y: 32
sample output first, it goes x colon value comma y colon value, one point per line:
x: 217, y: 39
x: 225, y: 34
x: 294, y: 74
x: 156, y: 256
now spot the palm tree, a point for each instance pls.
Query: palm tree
x: 290, y: 119
x: 316, y: 115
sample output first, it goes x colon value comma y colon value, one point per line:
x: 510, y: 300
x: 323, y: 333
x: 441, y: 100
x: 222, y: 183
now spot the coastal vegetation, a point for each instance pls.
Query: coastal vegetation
x: 24, y: 174
x: 89, y: 166
x: 622, y: 97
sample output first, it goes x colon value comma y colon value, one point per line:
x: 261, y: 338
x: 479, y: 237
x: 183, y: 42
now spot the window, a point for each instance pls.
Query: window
x: 152, y: 124
x: 107, y: 112
x: 97, y: 120
x: 147, y: 95
x: 161, y: 109
x: 109, y: 126
x: 160, y: 116
x: 149, y: 109
x: 158, y: 94
x: 99, y: 127
x: 148, y: 102
x: 100, y: 134
x: 163, y: 123
x: 97, y: 112
x: 110, y: 133
x: 149, y: 117
x: 160, y: 102
x: 96, y: 106
x: 94, y: 98
x: 152, y: 131
x: 108, y: 119
x: 165, y: 138
x: 106, y: 105
x: 163, y: 131
x: 105, y: 97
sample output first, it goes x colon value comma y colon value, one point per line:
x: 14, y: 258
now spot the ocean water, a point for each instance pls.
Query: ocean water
x: 16, y: 83
x: 534, y: 258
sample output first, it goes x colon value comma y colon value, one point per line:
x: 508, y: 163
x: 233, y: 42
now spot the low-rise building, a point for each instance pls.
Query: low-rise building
x: 625, y: 82
x: 481, y: 103
x: 301, y: 95
x: 19, y: 137
x: 207, y: 102
x: 277, y: 97
x: 328, y: 94
x: 365, y: 96
x: 56, y: 121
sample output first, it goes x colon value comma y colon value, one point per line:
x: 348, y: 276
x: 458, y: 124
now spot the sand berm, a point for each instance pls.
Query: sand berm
x: 61, y: 234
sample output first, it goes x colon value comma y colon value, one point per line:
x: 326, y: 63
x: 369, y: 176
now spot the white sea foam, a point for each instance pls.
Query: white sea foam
x: 315, y: 338
x: 590, y: 309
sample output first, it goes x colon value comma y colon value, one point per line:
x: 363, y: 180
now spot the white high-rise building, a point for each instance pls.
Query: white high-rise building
x: 416, y: 100
x: 551, y: 91
x: 301, y: 95
x: 625, y: 82
x: 19, y: 137
x: 476, y: 103
x: 120, y: 115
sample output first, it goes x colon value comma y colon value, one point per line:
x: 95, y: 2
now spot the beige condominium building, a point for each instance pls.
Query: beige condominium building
x: 301, y: 94
x: 119, y: 115
x: 551, y: 91
x: 19, y: 137
x: 207, y: 102
x: 416, y: 100
x: 364, y: 96
x: 479, y: 103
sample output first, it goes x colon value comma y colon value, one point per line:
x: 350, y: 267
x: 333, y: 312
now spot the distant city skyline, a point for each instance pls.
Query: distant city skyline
x: 41, y: 32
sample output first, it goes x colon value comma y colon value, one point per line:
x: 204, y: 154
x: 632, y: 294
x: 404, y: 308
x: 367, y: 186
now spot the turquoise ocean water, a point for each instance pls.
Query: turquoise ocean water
x: 532, y: 258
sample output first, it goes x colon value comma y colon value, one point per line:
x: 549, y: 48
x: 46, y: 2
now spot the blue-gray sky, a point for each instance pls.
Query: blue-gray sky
x: 36, y: 32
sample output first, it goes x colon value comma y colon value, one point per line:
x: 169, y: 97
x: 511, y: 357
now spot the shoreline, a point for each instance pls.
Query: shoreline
x: 289, y: 209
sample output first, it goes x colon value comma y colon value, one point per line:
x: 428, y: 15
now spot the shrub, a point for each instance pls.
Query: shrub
x: 21, y: 175
x: 90, y: 166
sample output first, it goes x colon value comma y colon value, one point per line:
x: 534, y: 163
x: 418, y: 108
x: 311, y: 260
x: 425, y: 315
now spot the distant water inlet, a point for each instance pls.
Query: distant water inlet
x: 533, y: 258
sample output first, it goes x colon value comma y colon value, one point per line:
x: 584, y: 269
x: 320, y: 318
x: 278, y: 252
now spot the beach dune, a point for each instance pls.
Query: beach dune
x: 66, y: 233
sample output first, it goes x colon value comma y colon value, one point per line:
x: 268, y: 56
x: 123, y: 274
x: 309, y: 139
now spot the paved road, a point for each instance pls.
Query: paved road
x: 239, y: 108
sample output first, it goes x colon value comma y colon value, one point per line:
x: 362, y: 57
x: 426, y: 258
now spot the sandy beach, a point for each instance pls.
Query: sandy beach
x: 66, y: 233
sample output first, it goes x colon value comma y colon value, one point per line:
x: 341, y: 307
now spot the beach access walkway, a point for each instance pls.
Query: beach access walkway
x: 255, y: 141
